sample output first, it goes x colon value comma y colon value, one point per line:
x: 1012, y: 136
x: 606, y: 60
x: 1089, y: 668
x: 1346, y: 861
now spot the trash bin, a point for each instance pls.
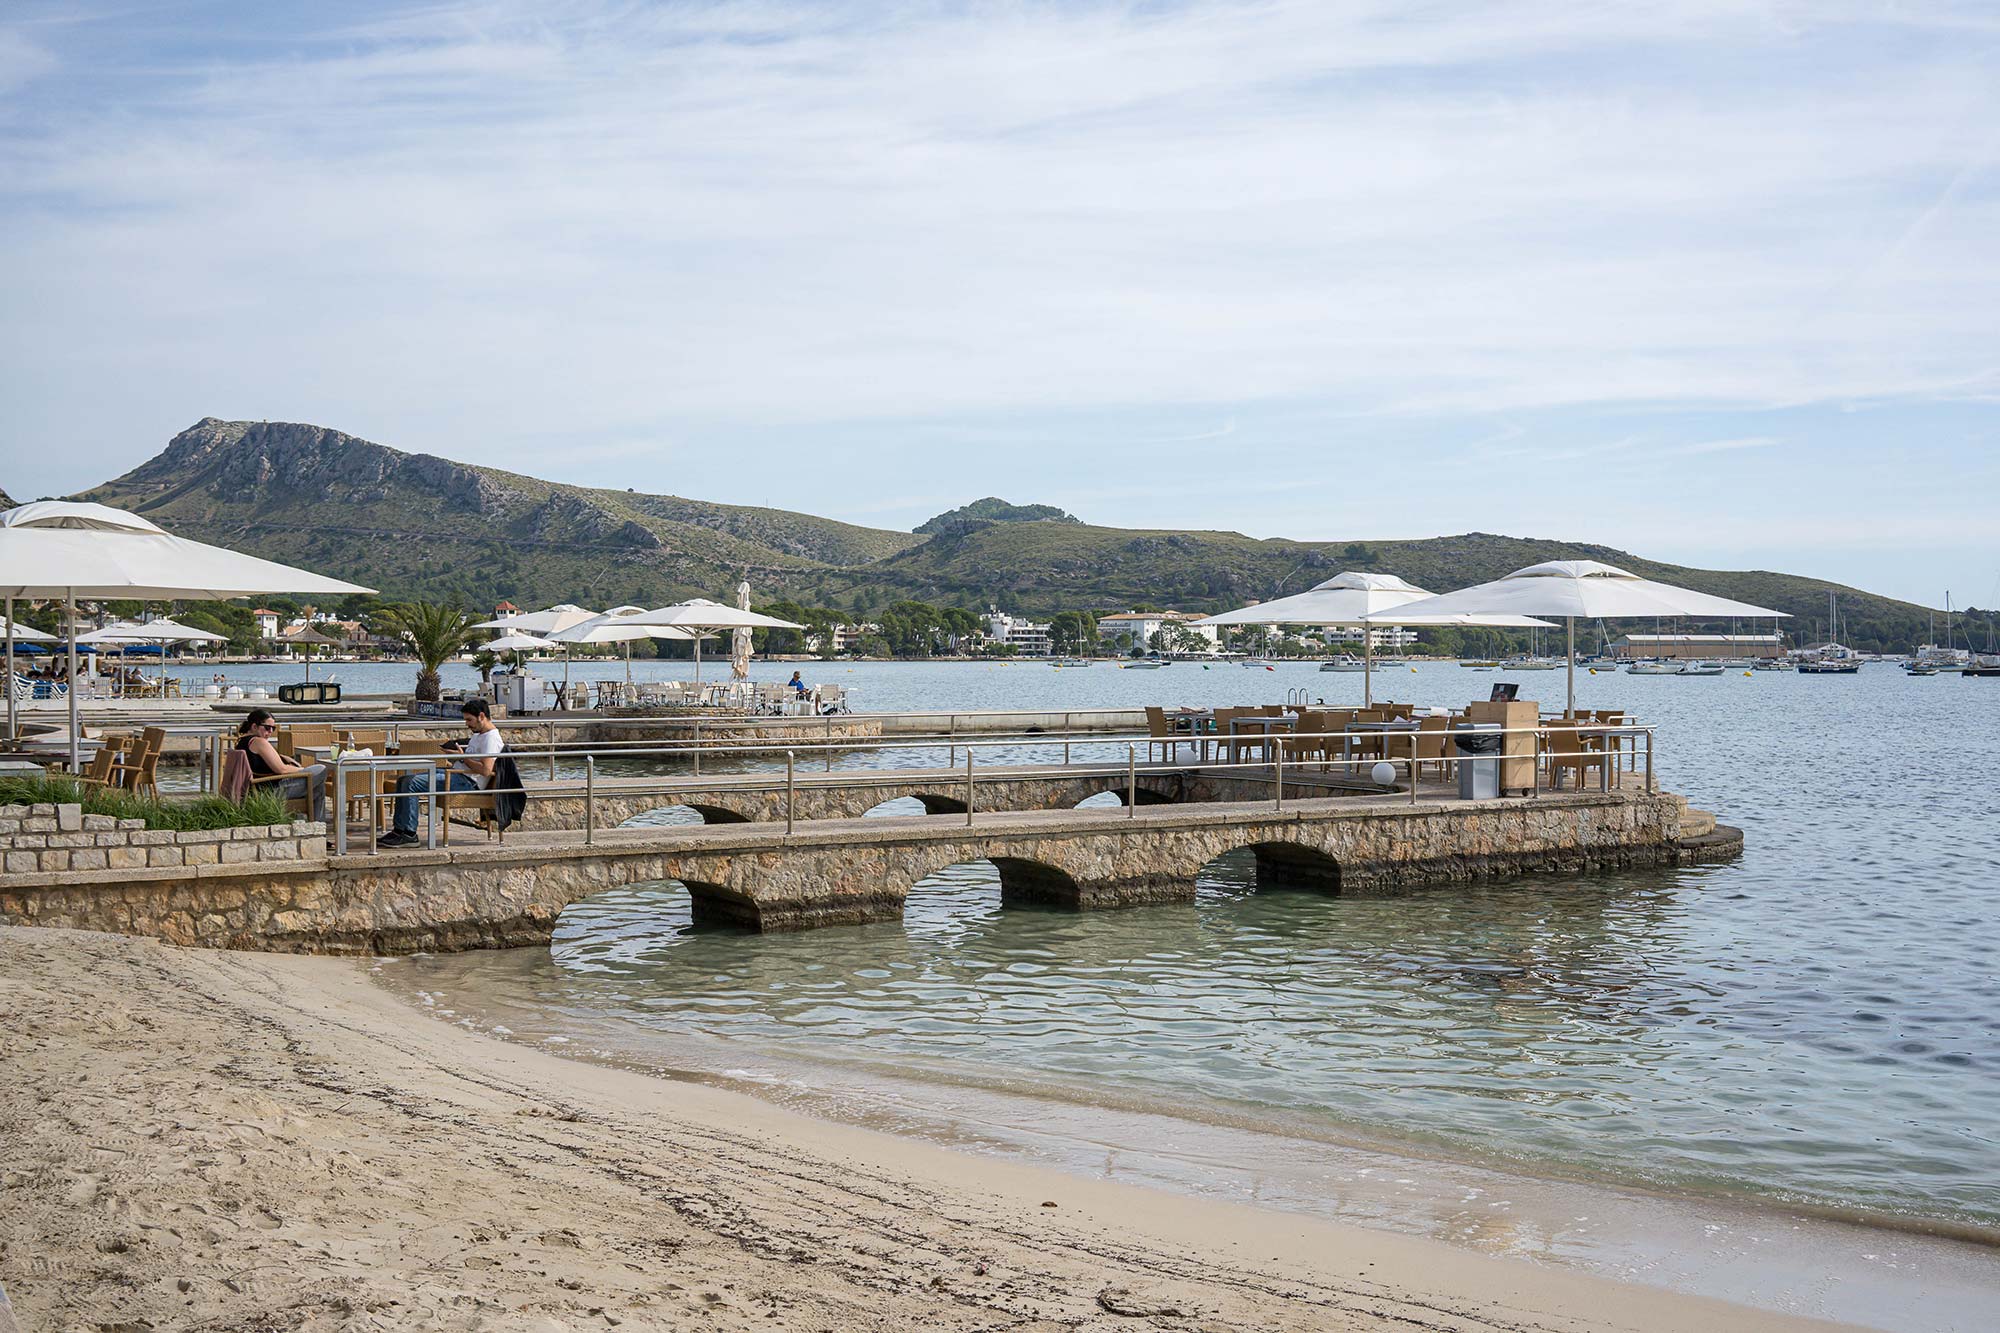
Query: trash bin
x: 310, y: 692
x: 1479, y: 775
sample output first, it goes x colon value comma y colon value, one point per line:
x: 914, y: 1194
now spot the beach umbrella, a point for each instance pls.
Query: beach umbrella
x: 618, y: 625
x: 69, y: 549
x: 1347, y: 601
x: 1572, y: 590
x: 698, y: 613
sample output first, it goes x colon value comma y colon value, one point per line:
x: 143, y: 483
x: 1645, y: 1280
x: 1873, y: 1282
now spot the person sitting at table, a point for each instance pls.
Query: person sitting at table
x: 474, y: 772
x: 302, y: 781
x: 798, y: 684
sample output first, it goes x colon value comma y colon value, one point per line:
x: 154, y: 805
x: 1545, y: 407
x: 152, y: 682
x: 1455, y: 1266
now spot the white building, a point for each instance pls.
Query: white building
x: 1030, y: 638
x: 1383, y: 637
x: 267, y: 623
x: 1135, y: 629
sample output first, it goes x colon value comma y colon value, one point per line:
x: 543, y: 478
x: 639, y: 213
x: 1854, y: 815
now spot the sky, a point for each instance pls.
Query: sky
x: 1713, y: 282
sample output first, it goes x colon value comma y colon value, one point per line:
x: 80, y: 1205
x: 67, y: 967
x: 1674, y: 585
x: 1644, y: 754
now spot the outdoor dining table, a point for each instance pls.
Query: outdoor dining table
x: 1395, y: 726
x: 1263, y: 724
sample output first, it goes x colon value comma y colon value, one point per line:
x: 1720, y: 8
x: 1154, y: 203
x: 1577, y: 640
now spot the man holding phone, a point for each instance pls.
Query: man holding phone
x: 473, y: 772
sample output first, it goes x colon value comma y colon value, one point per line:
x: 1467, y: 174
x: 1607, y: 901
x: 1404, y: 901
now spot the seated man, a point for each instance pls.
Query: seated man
x: 472, y: 773
x: 798, y: 684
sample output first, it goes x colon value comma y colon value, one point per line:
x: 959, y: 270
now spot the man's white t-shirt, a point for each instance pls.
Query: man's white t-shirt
x: 483, y: 745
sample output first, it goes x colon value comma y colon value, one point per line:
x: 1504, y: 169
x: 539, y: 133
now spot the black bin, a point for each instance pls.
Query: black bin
x: 310, y: 692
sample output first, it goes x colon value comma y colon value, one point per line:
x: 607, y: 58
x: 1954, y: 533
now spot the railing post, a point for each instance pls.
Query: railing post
x: 589, y: 799
x: 1131, y: 781
x: 339, y: 807
x: 791, y: 789
x: 968, y: 786
x: 1649, y: 761
x: 697, y: 747
x: 1604, y: 766
x: 1278, y: 769
x: 829, y: 742
x: 1413, y: 770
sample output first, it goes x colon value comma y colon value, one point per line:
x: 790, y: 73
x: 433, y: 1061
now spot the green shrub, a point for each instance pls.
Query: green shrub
x: 202, y: 812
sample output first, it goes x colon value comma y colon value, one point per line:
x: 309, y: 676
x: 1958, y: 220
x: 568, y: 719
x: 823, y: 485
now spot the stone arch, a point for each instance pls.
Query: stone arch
x: 1024, y: 882
x: 1116, y: 791
x: 1292, y: 865
x: 933, y: 803
x: 659, y: 812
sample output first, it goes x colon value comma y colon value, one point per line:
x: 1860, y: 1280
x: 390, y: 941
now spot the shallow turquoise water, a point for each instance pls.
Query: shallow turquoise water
x: 1817, y: 1021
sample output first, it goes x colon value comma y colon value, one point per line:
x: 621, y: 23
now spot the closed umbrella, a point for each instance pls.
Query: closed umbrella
x: 1579, y: 589
x: 1349, y: 601
x: 516, y: 643
x: 67, y: 549
x: 739, y: 638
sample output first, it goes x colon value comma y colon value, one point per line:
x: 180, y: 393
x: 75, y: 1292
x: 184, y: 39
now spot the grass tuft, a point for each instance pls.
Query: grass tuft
x: 203, y: 812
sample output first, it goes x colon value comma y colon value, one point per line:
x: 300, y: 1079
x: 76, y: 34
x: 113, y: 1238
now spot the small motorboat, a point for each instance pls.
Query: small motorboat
x: 1699, y: 669
x: 1653, y: 669
x: 1345, y: 662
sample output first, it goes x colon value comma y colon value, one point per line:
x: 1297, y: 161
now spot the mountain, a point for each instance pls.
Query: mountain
x: 415, y: 525
x: 992, y: 510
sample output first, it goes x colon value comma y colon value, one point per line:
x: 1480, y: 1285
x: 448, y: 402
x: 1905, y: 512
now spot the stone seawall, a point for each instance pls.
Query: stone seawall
x: 231, y: 888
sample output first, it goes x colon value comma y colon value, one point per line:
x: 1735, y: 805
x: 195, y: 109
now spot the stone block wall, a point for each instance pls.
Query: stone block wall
x: 52, y: 839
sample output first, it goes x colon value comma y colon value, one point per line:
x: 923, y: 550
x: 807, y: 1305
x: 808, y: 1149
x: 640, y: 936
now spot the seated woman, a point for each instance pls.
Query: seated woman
x: 254, y: 739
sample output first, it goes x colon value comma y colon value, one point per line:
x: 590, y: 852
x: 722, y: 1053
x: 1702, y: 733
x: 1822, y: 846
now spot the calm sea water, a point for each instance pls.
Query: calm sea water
x: 1818, y: 1022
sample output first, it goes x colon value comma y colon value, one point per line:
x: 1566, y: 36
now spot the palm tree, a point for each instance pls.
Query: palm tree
x: 435, y: 633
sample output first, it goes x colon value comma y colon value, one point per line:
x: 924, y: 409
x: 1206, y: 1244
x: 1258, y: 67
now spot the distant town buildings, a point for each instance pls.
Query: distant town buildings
x: 1381, y: 638
x: 1138, y: 629
x: 1028, y: 638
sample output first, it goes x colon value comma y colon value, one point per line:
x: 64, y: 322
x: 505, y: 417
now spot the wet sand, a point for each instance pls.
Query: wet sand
x: 243, y: 1141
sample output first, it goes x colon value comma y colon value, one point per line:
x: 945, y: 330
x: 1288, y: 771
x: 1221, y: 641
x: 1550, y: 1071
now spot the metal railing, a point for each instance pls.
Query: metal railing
x: 1284, y: 758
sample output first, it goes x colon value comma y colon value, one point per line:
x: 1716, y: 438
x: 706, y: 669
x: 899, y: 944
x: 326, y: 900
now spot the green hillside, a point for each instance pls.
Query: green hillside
x: 415, y: 525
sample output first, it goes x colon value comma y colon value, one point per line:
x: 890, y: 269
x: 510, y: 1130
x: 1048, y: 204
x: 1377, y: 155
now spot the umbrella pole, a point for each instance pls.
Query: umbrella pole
x: 697, y: 657
x: 69, y: 605
x: 1367, y: 667
x: 13, y: 730
x: 628, y: 661
x: 1570, y: 623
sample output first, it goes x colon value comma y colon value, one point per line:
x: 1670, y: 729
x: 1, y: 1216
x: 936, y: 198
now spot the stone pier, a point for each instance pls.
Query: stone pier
x: 848, y: 871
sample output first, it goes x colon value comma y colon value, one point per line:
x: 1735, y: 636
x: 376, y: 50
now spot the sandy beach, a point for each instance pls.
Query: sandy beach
x: 240, y: 1141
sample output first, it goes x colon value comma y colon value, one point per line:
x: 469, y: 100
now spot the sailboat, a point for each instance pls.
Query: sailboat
x: 1988, y: 662
x: 1832, y: 659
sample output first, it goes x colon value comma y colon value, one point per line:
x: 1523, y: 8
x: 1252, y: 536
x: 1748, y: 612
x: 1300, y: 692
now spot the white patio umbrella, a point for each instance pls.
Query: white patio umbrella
x: 67, y: 549
x: 1347, y: 601
x: 561, y: 616
x: 699, y: 613
x: 161, y: 631
x: 516, y: 643
x: 619, y: 625
x: 1579, y: 589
